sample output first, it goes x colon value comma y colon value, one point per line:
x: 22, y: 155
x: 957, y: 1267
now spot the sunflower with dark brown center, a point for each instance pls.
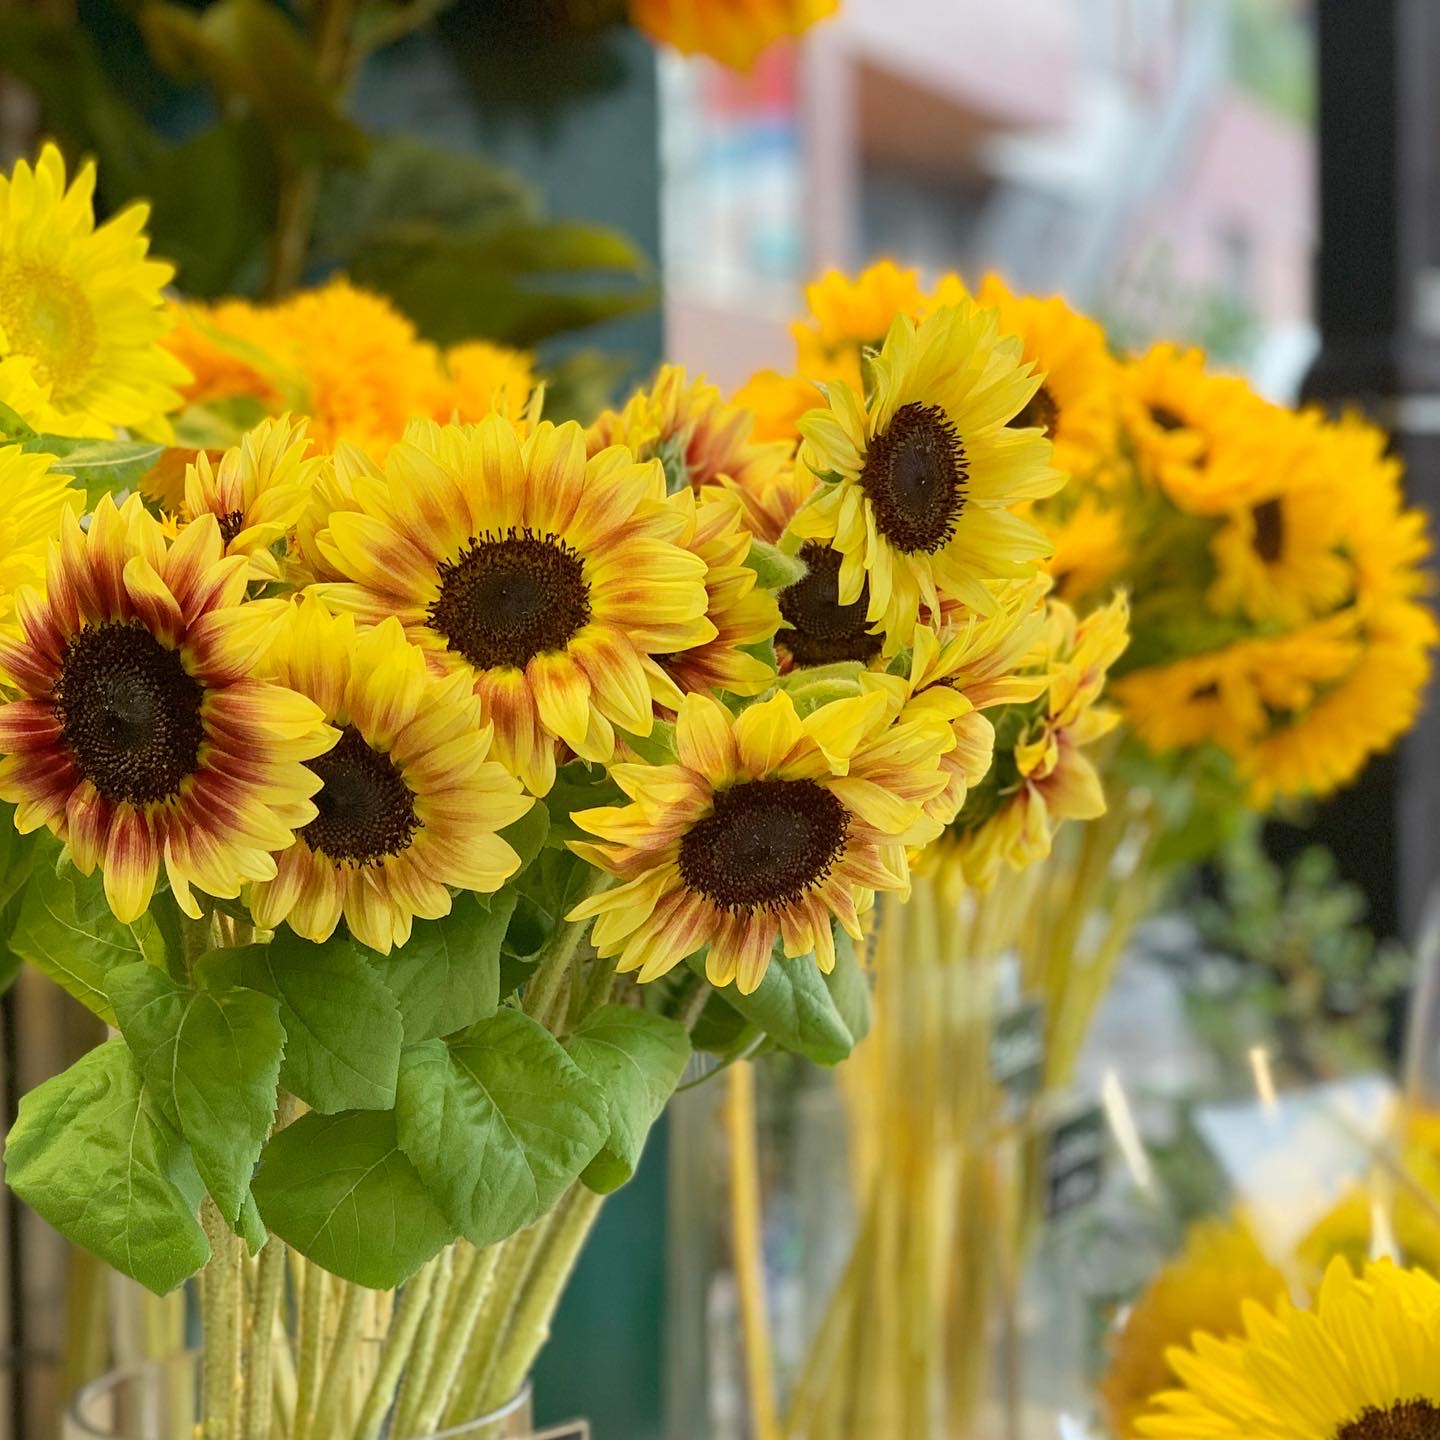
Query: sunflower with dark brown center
x: 548, y: 580
x: 922, y: 483
x: 408, y: 803
x: 140, y: 735
x: 822, y: 631
x: 767, y: 828
x: 1362, y: 1364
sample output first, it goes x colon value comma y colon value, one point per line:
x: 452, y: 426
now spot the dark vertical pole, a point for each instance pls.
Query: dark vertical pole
x: 1378, y: 307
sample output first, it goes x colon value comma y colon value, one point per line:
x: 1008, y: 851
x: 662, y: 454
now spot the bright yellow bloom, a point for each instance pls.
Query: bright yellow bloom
x: 257, y: 492
x: 36, y: 500
x: 408, y: 804
x: 80, y: 305
x: 921, y: 480
x: 1203, y: 1290
x: 483, y: 377
x: 734, y: 32
x: 1044, y: 779
x: 769, y: 498
x: 1091, y: 548
x: 742, y: 611
x: 142, y: 734
x: 1364, y: 1364
x: 777, y: 402
x: 765, y: 829
x: 543, y: 577
x: 1077, y: 404
x: 849, y: 315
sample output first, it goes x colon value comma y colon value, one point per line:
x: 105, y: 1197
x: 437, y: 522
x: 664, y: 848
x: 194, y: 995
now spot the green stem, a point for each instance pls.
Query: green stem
x: 340, y: 1363
x: 260, y: 1343
x: 470, y: 1295
x: 517, y: 1256
x: 552, y: 968
x: 219, y: 1317
x: 695, y: 1004
x: 530, y: 1324
x: 412, y: 1388
x: 312, y: 1326
x: 398, y: 1347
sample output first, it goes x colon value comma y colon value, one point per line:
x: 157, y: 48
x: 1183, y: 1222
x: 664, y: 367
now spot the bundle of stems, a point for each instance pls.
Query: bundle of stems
x: 290, y: 1352
x: 921, y: 1331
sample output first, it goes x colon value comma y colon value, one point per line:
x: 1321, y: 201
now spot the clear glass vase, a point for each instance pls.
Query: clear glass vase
x: 161, y: 1402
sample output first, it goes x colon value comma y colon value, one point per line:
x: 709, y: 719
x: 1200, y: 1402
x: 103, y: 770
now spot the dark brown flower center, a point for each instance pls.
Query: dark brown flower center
x: 366, y: 811
x: 825, y: 631
x: 508, y: 598
x: 1269, y: 538
x: 231, y: 525
x: 1166, y: 418
x: 129, y: 711
x: 1040, y: 412
x: 915, y: 477
x: 766, y: 844
x: 1408, y: 1420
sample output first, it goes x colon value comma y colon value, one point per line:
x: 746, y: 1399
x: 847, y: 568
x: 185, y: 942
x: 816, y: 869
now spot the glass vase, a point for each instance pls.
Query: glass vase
x: 160, y: 1401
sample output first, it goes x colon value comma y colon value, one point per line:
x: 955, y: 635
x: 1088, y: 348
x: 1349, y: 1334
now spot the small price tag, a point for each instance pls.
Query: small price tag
x: 1017, y: 1056
x: 570, y: 1430
x: 1076, y: 1167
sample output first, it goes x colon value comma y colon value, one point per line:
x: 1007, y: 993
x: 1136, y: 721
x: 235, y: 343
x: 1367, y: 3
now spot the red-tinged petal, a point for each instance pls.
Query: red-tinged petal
x: 27, y: 726
x: 191, y: 563
x: 153, y: 603
x: 87, y: 825
x: 616, y: 677
x: 130, y: 865
x: 562, y: 697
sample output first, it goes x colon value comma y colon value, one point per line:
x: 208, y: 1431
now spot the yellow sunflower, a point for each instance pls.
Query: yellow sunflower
x: 769, y: 498
x: 765, y: 828
x: 1203, y: 1289
x: 482, y: 377
x: 690, y: 428
x: 257, y: 492
x: 1364, y: 1364
x: 36, y: 500
x: 141, y: 735
x: 1077, y: 403
x: 408, y: 804
x: 846, y: 315
x: 1043, y: 779
x: 777, y: 402
x: 734, y: 32
x: 742, y: 611
x: 81, y: 305
x: 1091, y: 547
x: 543, y: 577
x: 921, y: 481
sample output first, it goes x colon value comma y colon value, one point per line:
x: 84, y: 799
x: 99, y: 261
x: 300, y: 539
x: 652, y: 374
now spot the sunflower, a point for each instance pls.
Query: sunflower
x: 777, y: 402
x: 141, y: 734
x: 81, y: 304
x: 769, y: 498
x: 765, y: 828
x: 1200, y: 437
x: 1091, y: 548
x: 816, y: 628
x: 847, y: 315
x: 690, y: 428
x: 734, y: 32
x: 36, y: 500
x: 921, y: 481
x: 1041, y: 778
x: 742, y: 611
x: 1077, y: 402
x: 1204, y: 1288
x: 482, y: 377
x: 1323, y: 740
x: 541, y: 576
x: 408, y: 804
x: 1364, y: 1364
x: 257, y: 492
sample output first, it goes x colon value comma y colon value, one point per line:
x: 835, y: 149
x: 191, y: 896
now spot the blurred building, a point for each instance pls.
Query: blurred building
x: 1151, y: 159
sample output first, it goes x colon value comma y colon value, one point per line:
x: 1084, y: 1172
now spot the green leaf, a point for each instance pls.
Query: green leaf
x: 13, y: 425
x: 794, y: 1007
x: 251, y: 53
x: 343, y: 1028
x: 526, y: 837
x: 498, y: 1124
x: 213, y: 204
x: 636, y: 1059
x: 849, y: 988
x: 775, y: 568
x: 582, y: 384
x: 103, y: 467
x: 67, y: 929
x: 340, y: 1190
x: 211, y: 1058
x: 94, y: 1155
x: 578, y: 786
x: 517, y: 283
x: 448, y: 975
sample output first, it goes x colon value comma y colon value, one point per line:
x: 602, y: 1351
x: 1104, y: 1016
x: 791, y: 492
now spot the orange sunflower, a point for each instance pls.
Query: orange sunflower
x: 544, y: 577
x: 141, y: 735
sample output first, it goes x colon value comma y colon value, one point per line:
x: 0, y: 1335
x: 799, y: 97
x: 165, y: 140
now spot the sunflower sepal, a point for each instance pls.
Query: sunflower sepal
x: 656, y: 748
x: 775, y: 567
